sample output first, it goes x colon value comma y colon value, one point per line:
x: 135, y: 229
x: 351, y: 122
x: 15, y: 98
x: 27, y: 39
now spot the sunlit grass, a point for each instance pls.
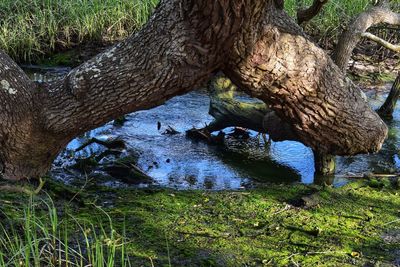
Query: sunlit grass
x: 39, y: 236
x: 32, y: 28
x: 334, y: 16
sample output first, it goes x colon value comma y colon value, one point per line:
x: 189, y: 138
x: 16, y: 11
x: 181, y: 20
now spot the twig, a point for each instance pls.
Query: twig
x: 395, y: 221
x: 384, y: 43
x: 359, y: 176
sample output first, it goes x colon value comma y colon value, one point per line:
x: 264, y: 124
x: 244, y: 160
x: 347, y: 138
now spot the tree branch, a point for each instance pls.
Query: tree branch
x: 304, y: 15
x: 349, y: 39
x: 384, y: 43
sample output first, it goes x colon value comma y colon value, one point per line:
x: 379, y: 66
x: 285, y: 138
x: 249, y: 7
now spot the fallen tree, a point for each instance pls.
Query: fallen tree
x: 229, y: 112
x: 255, y: 43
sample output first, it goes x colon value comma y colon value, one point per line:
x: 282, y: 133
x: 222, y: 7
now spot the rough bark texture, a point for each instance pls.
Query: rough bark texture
x: 185, y: 41
x: 181, y: 45
x: 304, y: 87
x: 355, y: 30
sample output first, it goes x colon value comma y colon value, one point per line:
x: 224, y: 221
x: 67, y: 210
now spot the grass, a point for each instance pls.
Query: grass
x: 30, y: 29
x: 34, y: 235
x: 279, y: 225
x: 335, y: 15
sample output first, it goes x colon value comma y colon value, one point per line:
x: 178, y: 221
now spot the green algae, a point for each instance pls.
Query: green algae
x: 278, y: 225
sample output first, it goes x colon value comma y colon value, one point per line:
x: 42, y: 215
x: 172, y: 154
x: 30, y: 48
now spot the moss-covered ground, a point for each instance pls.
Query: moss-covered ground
x: 277, y: 225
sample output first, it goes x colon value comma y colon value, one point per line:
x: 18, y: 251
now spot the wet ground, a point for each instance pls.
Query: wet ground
x: 178, y: 162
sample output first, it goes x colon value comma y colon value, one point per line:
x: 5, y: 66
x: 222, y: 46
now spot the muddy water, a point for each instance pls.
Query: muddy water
x: 178, y: 162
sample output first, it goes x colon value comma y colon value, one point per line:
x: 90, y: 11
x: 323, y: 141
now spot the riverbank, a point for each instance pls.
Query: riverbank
x: 278, y: 225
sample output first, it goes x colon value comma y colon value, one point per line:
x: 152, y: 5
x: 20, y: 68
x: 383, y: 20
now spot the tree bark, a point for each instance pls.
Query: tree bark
x: 228, y: 112
x: 304, y: 87
x: 185, y: 41
x: 176, y: 51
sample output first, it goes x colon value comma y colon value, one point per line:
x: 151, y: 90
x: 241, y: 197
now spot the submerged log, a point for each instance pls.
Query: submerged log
x: 230, y: 112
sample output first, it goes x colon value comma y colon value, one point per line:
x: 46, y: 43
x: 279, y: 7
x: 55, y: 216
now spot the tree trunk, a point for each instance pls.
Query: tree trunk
x: 304, y: 87
x: 228, y: 112
x: 387, y: 109
x: 185, y: 41
x: 175, y: 52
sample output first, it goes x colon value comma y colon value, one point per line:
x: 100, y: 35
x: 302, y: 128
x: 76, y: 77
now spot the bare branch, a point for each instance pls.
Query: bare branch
x: 384, y: 43
x: 304, y: 15
x: 349, y: 39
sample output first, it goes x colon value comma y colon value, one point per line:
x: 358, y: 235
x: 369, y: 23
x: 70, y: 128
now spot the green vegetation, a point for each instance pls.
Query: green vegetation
x: 33, y: 234
x: 31, y: 28
x: 278, y: 225
x: 332, y: 19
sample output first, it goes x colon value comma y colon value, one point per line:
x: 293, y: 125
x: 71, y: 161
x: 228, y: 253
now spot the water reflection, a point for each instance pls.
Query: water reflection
x: 175, y: 161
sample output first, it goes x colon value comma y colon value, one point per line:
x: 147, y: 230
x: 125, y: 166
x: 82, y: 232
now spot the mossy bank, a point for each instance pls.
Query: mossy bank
x: 278, y: 225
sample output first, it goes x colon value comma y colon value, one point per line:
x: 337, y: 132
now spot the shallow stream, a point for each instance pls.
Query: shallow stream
x: 178, y: 162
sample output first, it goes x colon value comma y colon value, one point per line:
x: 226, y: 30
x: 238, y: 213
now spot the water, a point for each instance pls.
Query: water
x: 178, y: 162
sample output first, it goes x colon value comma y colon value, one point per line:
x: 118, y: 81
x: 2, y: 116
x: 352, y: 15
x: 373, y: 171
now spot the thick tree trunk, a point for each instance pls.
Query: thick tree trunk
x: 254, y: 42
x: 228, y: 112
x: 304, y: 87
x: 178, y: 49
